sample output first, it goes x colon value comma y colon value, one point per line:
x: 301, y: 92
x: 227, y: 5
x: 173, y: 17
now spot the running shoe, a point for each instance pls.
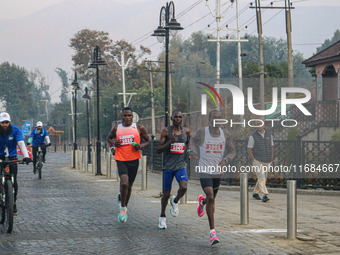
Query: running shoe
x: 174, y: 210
x: 122, y: 216
x: 213, y: 238
x: 200, y: 207
x: 119, y: 200
x: 162, y: 223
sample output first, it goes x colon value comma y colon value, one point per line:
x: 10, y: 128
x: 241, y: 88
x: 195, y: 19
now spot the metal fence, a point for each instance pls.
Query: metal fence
x: 298, y: 155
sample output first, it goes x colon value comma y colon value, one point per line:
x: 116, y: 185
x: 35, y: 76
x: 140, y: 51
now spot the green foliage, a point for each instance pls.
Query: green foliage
x: 336, y: 135
x: 329, y: 42
x: 292, y: 133
x: 21, y: 92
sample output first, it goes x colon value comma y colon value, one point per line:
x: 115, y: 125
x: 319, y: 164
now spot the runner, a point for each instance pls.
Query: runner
x: 215, y: 148
x: 125, y: 144
x: 174, y: 143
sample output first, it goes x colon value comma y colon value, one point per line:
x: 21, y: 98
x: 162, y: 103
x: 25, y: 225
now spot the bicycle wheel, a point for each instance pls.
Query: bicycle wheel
x: 40, y: 165
x: 8, y: 207
x: 2, y: 205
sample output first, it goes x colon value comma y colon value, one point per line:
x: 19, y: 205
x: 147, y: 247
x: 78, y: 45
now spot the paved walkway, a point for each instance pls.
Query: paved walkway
x: 72, y: 212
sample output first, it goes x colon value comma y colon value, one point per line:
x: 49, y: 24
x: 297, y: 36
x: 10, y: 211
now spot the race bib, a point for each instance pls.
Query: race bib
x: 126, y: 139
x: 177, y: 148
x: 213, y: 148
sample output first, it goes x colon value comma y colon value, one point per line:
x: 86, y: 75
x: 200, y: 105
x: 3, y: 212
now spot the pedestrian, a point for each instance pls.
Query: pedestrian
x: 214, y: 147
x: 174, y: 142
x: 261, y: 153
x: 125, y: 144
x: 10, y: 137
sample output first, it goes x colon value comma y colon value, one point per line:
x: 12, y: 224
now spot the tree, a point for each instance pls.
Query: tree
x: 64, y: 80
x: 21, y: 92
x: 329, y: 42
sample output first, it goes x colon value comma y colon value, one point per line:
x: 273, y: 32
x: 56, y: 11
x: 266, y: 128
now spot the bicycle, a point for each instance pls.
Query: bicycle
x: 39, y: 163
x: 7, y: 193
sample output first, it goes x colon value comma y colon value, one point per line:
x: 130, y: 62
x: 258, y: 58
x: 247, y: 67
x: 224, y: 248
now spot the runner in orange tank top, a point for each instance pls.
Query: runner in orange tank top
x: 125, y: 144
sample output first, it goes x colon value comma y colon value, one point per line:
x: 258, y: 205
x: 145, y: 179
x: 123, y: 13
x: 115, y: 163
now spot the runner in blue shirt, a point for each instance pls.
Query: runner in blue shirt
x: 38, y: 136
x: 10, y: 137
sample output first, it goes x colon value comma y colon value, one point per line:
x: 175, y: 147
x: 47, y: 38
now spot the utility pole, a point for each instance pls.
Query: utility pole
x: 289, y: 42
x: 153, y: 125
x: 287, y: 8
x: 217, y: 15
x: 124, y: 65
x: 259, y: 30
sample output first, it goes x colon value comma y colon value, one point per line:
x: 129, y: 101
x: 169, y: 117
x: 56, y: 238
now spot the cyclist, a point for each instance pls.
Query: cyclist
x: 10, y: 137
x: 38, y: 136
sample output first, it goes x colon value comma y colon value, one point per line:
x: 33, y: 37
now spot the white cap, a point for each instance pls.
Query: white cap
x: 39, y: 124
x: 4, y: 116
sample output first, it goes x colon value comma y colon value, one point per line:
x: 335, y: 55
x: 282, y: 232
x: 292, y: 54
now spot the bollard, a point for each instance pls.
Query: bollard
x: 143, y: 168
x: 109, y: 159
x: 244, y: 199
x: 71, y: 160
x: 291, y: 209
x: 115, y: 168
x: 86, y: 165
x: 94, y: 162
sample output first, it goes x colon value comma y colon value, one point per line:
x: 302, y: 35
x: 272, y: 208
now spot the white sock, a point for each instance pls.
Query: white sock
x: 123, y: 208
x: 212, y: 230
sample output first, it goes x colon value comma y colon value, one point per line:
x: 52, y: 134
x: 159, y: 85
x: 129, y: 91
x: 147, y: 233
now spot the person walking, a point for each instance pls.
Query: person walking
x: 215, y: 148
x: 261, y: 153
x: 173, y: 143
x: 125, y: 144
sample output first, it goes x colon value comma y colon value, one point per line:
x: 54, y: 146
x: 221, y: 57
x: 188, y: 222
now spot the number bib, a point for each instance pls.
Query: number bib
x: 213, y: 148
x: 177, y: 148
x: 126, y: 139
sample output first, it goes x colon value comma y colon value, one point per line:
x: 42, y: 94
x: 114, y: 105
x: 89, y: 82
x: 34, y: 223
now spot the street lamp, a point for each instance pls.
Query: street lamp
x: 87, y: 98
x: 75, y: 86
x: 167, y: 24
x: 96, y: 62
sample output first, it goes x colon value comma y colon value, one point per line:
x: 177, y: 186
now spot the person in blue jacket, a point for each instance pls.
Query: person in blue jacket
x: 38, y: 136
x: 10, y: 137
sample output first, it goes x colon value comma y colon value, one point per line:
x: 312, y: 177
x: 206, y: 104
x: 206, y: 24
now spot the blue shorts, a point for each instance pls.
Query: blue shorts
x: 168, y: 176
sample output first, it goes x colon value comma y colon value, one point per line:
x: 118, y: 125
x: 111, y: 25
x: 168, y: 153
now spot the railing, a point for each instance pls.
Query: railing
x: 298, y: 155
x: 324, y: 114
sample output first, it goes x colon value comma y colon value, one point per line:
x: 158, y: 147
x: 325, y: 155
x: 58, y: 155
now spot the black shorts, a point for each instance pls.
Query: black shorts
x: 128, y: 167
x: 208, y: 180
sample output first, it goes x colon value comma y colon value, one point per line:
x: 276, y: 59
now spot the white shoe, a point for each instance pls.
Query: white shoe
x: 174, y: 210
x: 162, y: 223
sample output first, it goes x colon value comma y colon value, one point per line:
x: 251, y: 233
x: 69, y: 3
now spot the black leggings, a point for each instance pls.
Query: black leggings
x: 35, y: 152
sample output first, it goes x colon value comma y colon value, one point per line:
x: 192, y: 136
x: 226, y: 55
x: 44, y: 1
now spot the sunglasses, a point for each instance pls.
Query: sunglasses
x: 5, y: 122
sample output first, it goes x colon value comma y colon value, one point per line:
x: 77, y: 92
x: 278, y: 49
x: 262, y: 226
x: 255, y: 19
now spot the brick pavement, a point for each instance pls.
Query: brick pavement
x: 72, y: 212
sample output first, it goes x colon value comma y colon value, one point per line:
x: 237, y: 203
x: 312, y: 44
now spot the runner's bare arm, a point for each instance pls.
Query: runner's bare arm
x: 145, y: 136
x: 112, y: 138
x: 162, y: 146
x: 230, y: 150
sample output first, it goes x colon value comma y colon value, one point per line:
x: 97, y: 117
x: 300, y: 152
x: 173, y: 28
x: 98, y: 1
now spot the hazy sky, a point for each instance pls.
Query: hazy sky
x: 308, y: 31
x: 20, y: 8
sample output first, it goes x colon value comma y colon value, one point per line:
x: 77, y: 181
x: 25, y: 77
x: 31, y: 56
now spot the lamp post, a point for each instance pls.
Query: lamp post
x: 167, y: 24
x: 75, y: 86
x: 87, y: 98
x: 96, y: 62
